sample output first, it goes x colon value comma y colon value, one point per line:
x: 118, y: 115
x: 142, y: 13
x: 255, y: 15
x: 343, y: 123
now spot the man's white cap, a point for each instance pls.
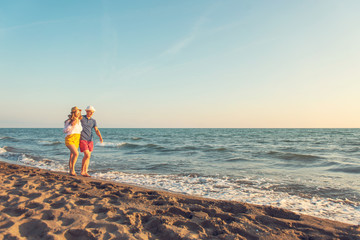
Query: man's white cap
x: 90, y: 108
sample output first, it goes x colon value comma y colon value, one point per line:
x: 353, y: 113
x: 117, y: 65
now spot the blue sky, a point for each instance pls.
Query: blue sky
x: 197, y: 63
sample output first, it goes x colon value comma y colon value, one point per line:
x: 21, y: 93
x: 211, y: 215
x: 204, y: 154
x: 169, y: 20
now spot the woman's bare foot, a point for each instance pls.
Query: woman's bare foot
x: 85, y: 175
x: 72, y: 174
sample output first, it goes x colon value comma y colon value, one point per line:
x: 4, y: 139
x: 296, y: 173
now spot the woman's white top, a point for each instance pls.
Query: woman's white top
x: 69, y: 129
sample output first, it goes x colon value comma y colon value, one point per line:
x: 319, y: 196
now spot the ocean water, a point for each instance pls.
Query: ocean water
x: 310, y: 171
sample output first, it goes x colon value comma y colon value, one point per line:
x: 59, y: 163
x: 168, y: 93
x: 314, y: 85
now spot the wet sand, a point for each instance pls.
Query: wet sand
x: 40, y: 204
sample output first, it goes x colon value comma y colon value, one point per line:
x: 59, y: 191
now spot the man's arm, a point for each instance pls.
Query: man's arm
x: 98, y: 133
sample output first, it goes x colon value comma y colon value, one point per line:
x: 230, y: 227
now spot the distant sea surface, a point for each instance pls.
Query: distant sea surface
x: 310, y: 171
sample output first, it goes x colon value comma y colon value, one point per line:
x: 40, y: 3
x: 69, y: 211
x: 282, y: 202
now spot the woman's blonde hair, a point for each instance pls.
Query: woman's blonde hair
x: 72, y: 115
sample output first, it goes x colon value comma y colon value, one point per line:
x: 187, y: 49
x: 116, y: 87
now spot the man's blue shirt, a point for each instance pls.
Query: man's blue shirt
x: 87, y: 125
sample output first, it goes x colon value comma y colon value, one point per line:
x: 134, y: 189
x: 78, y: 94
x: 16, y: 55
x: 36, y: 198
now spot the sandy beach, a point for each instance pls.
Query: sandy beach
x: 40, y: 204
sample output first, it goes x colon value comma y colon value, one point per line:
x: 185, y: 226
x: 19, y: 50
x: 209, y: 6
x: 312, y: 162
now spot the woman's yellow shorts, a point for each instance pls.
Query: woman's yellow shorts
x: 73, y: 139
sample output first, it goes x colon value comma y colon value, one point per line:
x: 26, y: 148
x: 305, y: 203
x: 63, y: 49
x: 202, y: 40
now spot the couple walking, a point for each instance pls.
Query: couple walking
x: 78, y: 130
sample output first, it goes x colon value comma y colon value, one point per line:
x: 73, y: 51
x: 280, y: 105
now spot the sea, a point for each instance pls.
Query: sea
x: 309, y: 171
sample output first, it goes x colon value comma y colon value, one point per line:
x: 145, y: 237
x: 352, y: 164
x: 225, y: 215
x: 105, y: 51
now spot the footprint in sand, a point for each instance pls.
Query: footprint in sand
x: 154, y: 225
x: 85, y: 195
x: 116, y: 219
x: 126, y: 190
x: 33, y: 205
x: 20, y: 183
x: 281, y: 213
x: 109, y: 227
x: 66, y: 191
x: 99, y: 185
x: 79, y: 234
x: 191, y: 226
x: 83, y: 202
x: 33, y: 195
x: 148, y: 195
x: 193, y: 201
x: 35, y: 229
x: 4, y: 198
x: 181, y: 212
x: 14, y: 211
x: 232, y: 208
x: 209, y: 211
x: 159, y: 230
x: 113, y: 199
x: 7, y: 224
x: 67, y: 221
x: 10, y: 237
x: 161, y: 203
x: 101, y: 209
x: 225, y: 217
x: 272, y: 222
x: 48, y: 215
x: 241, y: 232
x: 58, y: 204
x: 55, y: 195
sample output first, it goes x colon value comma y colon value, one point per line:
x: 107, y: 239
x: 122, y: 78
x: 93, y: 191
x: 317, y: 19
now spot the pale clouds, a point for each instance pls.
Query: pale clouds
x: 181, y: 44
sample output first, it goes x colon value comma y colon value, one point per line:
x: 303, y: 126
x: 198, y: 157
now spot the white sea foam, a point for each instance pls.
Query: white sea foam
x: 110, y: 144
x: 2, y: 150
x: 44, y: 163
x: 30, y: 161
x: 44, y: 142
x: 224, y: 189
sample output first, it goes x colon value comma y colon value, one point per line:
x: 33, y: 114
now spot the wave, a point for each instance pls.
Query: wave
x: 244, y: 190
x: 116, y: 145
x: 186, y: 148
x: 126, y: 145
x: 2, y: 150
x: 14, y: 150
x: 220, y: 149
x: 11, y: 139
x: 136, y: 138
x: 347, y: 169
x: 294, y: 156
x: 159, y: 166
x: 151, y: 147
x: 237, y: 160
x: 50, y: 143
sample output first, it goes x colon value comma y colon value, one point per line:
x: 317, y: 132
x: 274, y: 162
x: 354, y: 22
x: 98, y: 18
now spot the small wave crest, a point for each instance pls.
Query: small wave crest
x: 50, y: 143
x: 13, y: 150
x: 2, y: 150
x: 117, y: 145
x: 237, y: 160
x: 294, y: 156
x: 136, y: 138
x: 11, y: 139
x: 126, y: 145
x: 347, y: 169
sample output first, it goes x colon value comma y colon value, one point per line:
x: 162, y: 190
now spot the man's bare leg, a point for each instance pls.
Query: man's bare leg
x: 85, y: 163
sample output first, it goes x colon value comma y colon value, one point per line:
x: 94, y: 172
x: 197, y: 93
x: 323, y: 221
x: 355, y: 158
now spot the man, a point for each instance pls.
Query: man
x: 86, y: 139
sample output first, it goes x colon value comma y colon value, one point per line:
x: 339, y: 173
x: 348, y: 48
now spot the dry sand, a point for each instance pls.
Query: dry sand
x: 40, y: 204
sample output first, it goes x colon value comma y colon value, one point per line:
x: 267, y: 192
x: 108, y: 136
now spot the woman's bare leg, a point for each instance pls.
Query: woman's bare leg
x: 74, y: 154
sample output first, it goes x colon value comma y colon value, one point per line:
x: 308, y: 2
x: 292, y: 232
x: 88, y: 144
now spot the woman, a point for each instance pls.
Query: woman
x: 73, y: 130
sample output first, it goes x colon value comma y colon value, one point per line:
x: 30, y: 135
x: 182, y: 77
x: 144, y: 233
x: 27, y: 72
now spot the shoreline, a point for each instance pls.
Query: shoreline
x: 38, y: 203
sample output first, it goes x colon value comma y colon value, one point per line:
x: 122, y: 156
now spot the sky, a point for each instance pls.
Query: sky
x: 181, y: 64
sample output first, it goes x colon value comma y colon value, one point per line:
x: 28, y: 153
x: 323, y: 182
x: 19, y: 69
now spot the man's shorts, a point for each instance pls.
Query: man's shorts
x: 72, y: 139
x: 86, y: 145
